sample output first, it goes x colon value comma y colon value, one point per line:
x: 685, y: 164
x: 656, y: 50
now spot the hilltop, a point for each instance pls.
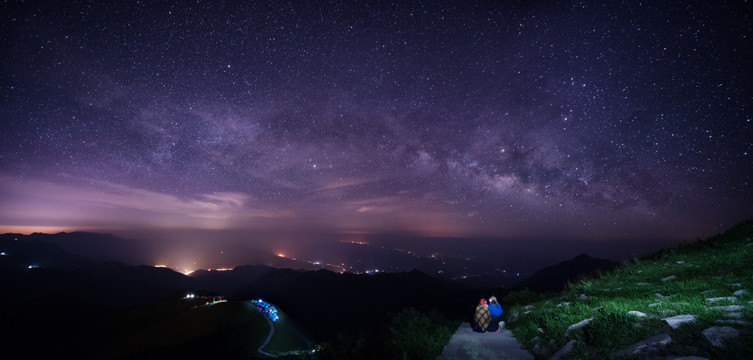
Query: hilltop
x: 693, y: 300
x: 555, y: 278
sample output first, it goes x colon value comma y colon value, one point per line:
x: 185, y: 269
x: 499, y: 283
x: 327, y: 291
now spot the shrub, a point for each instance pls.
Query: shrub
x: 414, y: 335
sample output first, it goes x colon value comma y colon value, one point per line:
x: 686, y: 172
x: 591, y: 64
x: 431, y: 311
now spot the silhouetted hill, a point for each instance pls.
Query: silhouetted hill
x: 49, y: 294
x: 95, y: 246
x: 556, y: 277
x: 326, y: 303
x: 232, y: 283
x: 26, y: 254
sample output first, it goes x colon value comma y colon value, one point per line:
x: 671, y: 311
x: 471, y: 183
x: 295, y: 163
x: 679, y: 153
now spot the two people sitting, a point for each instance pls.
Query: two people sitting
x: 486, y: 316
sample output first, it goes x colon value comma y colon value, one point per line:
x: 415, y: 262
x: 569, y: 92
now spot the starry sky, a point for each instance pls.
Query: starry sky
x: 512, y: 122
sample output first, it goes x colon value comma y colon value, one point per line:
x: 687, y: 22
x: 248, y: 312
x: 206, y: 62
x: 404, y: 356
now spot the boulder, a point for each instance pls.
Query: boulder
x: 565, y: 349
x: 637, y: 313
x: 653, y: 342
x: 676, y: 321
x: 720, y: 335
x: 718, y: 299
x: 578, y: 325
x: 728, y: 308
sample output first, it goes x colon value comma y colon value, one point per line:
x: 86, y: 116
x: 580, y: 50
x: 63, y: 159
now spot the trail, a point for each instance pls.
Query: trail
x: 469, y: 345
x: 271, y: 332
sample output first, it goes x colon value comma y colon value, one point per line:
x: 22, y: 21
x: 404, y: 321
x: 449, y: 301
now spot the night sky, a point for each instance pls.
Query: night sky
x: 508, y: 121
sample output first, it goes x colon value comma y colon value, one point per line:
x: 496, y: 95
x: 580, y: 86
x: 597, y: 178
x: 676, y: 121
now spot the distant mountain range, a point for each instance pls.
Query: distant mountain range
x: 356, y: 258
x: 50, y: 292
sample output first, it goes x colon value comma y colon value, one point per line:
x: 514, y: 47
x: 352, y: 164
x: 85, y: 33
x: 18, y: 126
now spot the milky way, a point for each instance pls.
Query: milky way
x: 575, y: 120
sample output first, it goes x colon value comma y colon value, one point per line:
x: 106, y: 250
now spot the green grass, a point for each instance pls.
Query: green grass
x: 716, y: 267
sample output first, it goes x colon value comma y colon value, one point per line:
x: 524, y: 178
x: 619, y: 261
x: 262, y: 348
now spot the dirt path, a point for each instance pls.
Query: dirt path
x: 269, y: 336
x: 466, y: 344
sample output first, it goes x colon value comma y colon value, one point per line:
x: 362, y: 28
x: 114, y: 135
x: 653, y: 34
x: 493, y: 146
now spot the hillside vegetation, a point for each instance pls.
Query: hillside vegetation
x: 694, y: 300
x: 184, y: 328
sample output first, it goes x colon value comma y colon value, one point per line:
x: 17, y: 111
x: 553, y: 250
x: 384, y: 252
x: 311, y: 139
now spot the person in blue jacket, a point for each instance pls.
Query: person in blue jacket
x: 495, y: 310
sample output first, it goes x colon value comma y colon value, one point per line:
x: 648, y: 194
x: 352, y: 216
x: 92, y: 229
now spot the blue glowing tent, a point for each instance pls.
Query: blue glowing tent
x: 266, y: 309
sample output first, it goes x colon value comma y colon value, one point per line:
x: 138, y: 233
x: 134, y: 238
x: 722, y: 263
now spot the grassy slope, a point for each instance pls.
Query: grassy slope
x: 287, y: 338
x: 672, y: 282
x: 175, y: 328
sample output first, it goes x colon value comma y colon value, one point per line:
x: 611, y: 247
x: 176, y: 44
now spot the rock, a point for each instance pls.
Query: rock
x: 578, y: 325
x: 637, y: 313
x: 675, y: 321
x: 718, y: 299
x: 657, y: 341
x: 720, y: 335
x: 540, y: 348
x: 583, y: 297
x: 680, y: 262
x: 642, y: 284
x: 735, y: 315
x: 565, y: 349
x: 566, y: 303
x: 654, y: 304
x: 536, y: 341
x: 728, y: 308
x: 740, y: 292
x: 671, y: 277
